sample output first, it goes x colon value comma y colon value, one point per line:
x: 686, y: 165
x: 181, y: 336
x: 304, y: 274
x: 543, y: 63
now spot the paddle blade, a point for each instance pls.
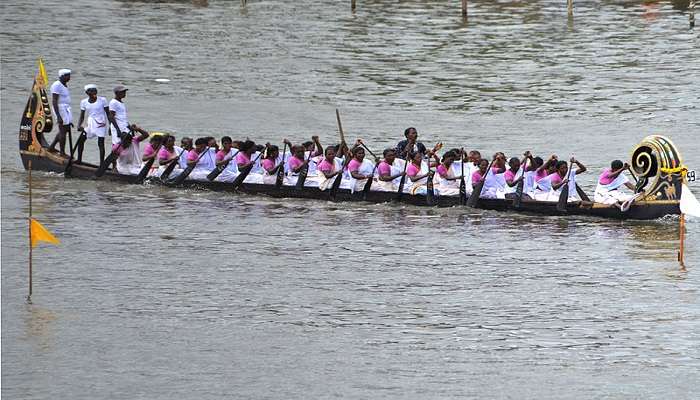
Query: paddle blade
x: 168, y: 170
x: 216, y: 172
x: 563, y: 198
x: 181, y: 178
x: 519, y: 194
x: 462, y: 191
x: 107, y: 162
x: 399, y: 194
x: 430, y: 190
x: 241, y: 176
x: 582, y: 194
x: 144, y: 170
x: 473, y: 200
x: 302, y: 177
x: 336, y: 185
x: 280, y: 177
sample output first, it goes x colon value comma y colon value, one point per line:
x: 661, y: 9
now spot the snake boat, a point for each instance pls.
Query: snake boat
x: 655, y: 163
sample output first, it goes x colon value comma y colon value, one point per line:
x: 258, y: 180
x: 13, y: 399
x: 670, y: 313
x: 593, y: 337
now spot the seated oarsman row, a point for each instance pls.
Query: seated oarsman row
x: 540, y: 180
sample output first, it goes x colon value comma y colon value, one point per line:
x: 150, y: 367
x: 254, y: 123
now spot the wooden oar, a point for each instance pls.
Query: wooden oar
x: 582, y: 194
x: 429, y: 188
x: 109, y: 160
x: 303, y: 172
x: 564, y: 195
x: 402, y: 182
x: 181, y: 178
x: 220, y: 168
x: 169, y: 169
x: 147, y: 167
x: 280, y: 169
x: 368, y: 184
x: 368, y: 150
x: 242, y: 174
x: 339, y: 177
x: 473, y: 200
x: 69, y: 165
x: 521, y: 187
x: 462, y: 183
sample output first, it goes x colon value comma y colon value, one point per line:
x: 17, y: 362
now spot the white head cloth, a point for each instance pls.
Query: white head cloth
x: 63, y: 71
x: 90, y: 86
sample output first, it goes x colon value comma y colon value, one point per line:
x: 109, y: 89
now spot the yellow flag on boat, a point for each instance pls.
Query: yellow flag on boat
x: 41, y: 234
x: 41, y: 78
x: 689, y: 204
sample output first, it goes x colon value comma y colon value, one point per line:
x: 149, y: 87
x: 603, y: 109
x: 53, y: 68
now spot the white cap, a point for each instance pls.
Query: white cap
x: 90, y: 86
x: 64, y: 71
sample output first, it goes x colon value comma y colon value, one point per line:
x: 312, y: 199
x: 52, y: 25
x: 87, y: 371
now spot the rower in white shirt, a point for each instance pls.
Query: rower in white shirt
x: 60, y: 98
x: 96, y: 109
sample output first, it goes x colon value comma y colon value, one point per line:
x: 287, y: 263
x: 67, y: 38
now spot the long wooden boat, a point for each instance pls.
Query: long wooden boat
x: 656, y: 163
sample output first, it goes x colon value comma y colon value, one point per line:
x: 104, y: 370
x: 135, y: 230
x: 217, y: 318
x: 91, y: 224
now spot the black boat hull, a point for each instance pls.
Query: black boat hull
x: 645, y: 210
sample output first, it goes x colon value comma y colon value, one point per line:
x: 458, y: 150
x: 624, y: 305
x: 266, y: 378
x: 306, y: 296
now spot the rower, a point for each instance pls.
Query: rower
x: 513, y: 176
x: 494, y: 181
x: 548, y: 188
x: 226, y: 156
x: 167, y: 154
x: 387, y: 173
x: 610, y: 185
x: 97, y: 110
x: 270, y: 165
x: 243, y: 158
x: 60, y: 97
x: 359, y: 169
x: 327, y: 169
x: 410, y: 145
x: 480, y: 174
x: 129, y: 153
x: 150, y: 151
x: 415, y: 169
x: 195, y: 158
x: 447, y: 181
x: 183, y: 150
x: 545, y: 168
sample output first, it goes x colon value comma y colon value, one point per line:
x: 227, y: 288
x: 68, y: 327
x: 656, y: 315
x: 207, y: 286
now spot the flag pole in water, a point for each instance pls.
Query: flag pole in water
x: 29, y: 220
x: 37, y: 232
x: 681, y: 256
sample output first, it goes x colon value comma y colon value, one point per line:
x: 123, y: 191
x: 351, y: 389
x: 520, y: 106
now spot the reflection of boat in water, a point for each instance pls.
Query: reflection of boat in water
x: 655, y: 162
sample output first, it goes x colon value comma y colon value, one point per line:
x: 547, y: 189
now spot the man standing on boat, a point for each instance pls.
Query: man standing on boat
x: 60, y: 98
x: 410, y: 145
x: 117, y: 114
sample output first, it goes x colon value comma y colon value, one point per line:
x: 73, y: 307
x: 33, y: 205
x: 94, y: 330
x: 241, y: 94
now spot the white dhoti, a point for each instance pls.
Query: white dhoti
x: 95, y: 128
x: 65, y: 113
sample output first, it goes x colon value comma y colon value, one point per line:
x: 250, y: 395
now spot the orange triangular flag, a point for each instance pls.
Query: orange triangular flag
x: 41, y: 234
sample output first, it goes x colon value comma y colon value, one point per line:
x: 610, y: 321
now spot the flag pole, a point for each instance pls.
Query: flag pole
x: 681, y: 255
x: 29, y: 297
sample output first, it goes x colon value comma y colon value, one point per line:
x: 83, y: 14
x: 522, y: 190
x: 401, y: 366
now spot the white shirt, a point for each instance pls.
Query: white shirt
x: 120, y: 118
x: 94, y: 110
x: 62, y: 91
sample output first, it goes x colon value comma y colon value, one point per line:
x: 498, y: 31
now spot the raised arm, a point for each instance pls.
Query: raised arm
x: 319, y: 148
x: 582, y: 168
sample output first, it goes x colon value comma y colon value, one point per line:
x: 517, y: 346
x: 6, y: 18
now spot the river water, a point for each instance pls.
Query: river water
x: 156, y: 293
